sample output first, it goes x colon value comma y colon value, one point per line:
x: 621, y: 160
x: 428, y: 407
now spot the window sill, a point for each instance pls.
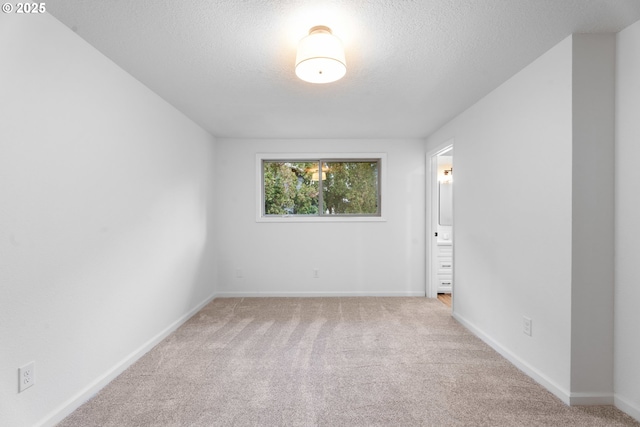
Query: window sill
x: 293, y: 218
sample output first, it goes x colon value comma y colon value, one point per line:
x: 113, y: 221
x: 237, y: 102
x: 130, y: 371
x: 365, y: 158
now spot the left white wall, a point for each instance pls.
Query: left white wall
x: 105, y: 218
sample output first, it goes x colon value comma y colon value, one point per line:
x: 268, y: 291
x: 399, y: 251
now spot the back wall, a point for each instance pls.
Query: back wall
x: 353, y: 258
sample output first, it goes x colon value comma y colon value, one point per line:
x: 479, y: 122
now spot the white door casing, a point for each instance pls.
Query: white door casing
x: 439, y: 251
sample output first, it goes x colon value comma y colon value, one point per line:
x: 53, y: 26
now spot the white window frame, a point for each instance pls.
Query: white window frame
x: 301, y: 157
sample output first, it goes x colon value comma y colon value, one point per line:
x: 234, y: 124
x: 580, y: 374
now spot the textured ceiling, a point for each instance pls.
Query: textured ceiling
x: 411, y: 65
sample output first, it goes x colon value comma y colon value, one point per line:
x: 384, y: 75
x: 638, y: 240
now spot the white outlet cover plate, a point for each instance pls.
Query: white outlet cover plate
x: 526, y: 325
x: 26, y: 376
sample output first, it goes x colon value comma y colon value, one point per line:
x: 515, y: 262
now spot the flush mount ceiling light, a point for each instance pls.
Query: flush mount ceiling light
x: 320, y: 57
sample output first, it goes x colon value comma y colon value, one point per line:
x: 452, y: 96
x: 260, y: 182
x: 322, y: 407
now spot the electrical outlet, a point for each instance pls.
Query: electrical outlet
x: 526, y: 325
x: 26, y: 376
x: 316, y: 273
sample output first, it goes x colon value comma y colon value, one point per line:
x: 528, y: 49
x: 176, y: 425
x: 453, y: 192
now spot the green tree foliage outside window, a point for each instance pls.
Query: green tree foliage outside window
x: 342, y: 187
x: 288, y: 188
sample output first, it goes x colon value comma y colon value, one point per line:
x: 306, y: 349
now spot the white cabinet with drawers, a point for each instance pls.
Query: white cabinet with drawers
x: 444, y: 267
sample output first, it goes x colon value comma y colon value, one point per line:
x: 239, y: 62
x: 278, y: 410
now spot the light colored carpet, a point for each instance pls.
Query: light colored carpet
x: 328, y: 362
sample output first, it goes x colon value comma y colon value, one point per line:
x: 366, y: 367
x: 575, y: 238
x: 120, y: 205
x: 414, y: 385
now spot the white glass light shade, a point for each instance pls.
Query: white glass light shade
x: 320, y: 57
x: 447, y: 176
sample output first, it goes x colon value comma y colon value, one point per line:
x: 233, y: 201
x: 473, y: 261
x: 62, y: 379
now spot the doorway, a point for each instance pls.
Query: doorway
x: 440, y: 221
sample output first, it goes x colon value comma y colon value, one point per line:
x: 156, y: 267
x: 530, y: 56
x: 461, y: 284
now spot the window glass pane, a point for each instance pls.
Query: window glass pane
x: 350, y: 188
x: 290, y: 188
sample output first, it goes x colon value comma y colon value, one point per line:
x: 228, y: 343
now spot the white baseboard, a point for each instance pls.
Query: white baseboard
x: 88, y: 392
x: 633, y: 410
x: 231, y: 294
x: 586, y: 399
x: 542, y: 379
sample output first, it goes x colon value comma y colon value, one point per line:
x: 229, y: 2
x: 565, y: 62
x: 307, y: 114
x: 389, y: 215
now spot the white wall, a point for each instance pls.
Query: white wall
x: 512, y: 240
x: 592, y: 268
x: 627, y: 220
x: 520, y: 157
x: 354, y: 258
x: 105, y: 231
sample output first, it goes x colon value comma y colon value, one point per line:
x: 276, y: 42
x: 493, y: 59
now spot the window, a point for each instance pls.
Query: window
x: 322, y: 188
